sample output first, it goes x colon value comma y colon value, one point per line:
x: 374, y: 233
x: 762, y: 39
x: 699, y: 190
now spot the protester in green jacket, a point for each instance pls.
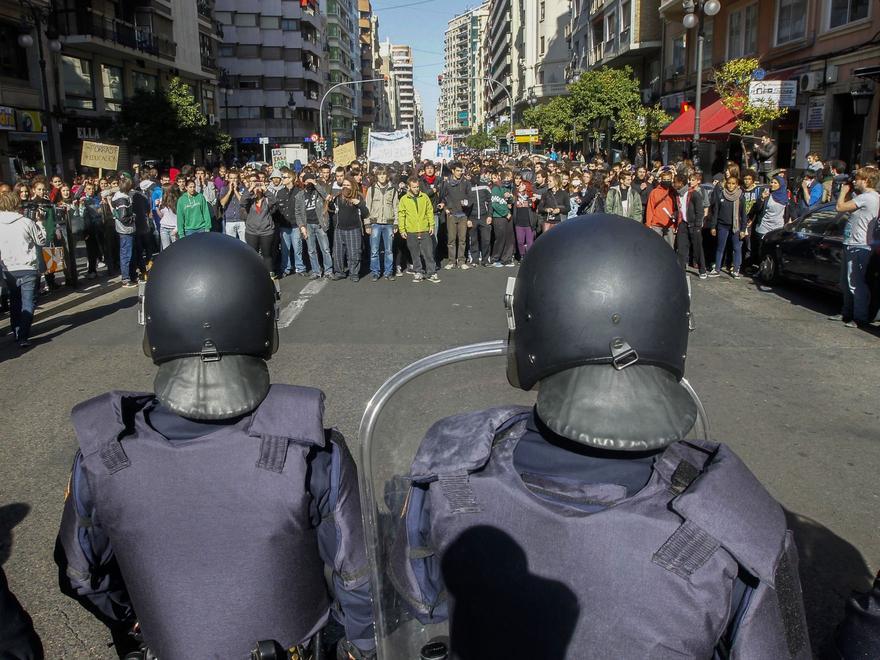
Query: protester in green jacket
x: 415, y: 219
x: 193, y: 214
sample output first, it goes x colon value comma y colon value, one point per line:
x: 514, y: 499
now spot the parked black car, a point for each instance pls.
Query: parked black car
x: 810, y: 250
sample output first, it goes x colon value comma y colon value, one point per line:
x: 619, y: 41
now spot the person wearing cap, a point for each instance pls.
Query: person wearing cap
x: 600, y: 522
x: 216, y: 511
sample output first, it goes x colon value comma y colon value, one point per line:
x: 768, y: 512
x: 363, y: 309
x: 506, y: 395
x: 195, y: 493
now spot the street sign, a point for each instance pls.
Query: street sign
x: 526, y: 131
x: 776, y: 93
x: 264, y: 140
x: 759, y: 74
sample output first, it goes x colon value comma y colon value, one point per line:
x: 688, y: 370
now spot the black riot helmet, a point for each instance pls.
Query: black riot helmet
x: 598, y: 319
x: 209, y: 312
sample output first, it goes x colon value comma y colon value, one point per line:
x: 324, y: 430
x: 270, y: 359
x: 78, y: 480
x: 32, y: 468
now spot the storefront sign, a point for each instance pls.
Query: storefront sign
x: 776, y: 93
x: 7, y: 119
x: 87, y: 133
x: 816, y: 113
x: 30, y: 121
x: 95, y: 154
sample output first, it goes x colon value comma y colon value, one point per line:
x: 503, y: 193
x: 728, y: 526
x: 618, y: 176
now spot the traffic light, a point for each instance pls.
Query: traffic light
x: 685, y: 106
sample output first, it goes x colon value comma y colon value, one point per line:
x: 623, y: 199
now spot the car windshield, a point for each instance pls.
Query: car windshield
x: 837, y: 227
x: 816, y: 223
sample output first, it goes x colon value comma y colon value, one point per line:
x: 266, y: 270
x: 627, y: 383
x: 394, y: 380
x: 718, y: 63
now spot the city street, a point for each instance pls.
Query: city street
x: 792, y: 392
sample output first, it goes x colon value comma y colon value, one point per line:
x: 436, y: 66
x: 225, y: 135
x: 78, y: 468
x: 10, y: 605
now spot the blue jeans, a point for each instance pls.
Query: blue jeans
x: 319, y: 235
x: 291, y: 236
x: 22, y: 287
x: 723, y: 233
x: 853, y: 286
x: 381, y: 234
x: 165, y: 237
x: 126, y: 246
x: 190, y: 232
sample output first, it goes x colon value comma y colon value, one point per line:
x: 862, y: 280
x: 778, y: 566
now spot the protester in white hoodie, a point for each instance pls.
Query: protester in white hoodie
x: 21, y: 240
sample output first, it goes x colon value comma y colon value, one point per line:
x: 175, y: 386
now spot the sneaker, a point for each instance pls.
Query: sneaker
x: 434, y: 278
x: 714, y: 273
x: 835, y: 317
x: 498, y: 264
x: 355, y: 278
x: 390, y: 277
x: 399, y: 270
x: 512, y: 264
x: 128, y: 284
x: 736, y: 274
x: 418, y: 278
x: 315, y: 276
x: 374, y: 277
x: 449, y: 266
x: 302, y: 273
x: 704, y: 276
x: 24, y: 344
x: 850, y: 324
x: 329, y: 275
x: 337, y: 276
x: 286, y: 273
x: 463, y: 267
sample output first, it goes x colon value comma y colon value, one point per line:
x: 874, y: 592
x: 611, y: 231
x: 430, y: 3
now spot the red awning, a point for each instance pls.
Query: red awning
x: 716, y: 123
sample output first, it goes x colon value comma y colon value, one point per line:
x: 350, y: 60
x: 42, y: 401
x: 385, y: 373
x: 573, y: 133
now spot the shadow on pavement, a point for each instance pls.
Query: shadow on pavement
x: 818, y: 300
x: 10, y: 516
x: 45, y: 331
x: 830, y: 569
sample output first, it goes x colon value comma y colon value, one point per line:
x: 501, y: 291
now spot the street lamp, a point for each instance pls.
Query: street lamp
x: 861, y: 100
x: 693, y: 18
x: 532, y: 101
x: 39, y: 17
x: 291, y: 104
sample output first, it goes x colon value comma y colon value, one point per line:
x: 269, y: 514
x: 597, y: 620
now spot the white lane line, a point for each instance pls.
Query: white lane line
x: 296, y: 307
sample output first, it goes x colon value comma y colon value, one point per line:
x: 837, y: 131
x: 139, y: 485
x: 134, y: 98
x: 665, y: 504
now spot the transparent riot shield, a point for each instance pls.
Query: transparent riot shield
x: 395, y: 422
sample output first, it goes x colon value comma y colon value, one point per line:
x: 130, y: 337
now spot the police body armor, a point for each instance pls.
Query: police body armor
x: 212, y: 535
x: 645, y: 576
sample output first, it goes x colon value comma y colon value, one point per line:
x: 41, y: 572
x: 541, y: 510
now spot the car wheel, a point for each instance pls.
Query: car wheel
x: 769, y: 269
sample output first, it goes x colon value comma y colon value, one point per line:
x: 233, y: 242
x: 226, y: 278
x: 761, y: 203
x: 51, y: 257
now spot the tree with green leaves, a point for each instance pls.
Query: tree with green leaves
x: 168, y: 124
x: 479, y: 140
x: 608, y: 96
x: 732, y: 80
x: 554, y: 120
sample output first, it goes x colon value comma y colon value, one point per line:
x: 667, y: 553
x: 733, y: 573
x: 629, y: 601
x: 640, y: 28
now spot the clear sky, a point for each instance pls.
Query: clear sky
x: 421, y: 24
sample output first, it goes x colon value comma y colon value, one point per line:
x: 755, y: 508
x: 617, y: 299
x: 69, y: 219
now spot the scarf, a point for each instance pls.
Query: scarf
x: 780, y: 196
x: 430, y: 179
x: 734, y: 197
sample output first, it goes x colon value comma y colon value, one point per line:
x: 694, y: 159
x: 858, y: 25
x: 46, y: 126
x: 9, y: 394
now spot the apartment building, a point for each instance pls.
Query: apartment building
x: 462, y: 89
x: 382, y: 114
x: 97, y: 54
x: 401, y: 66
x: 823, y: 45
x: 369, y: 91
x: 343, y: 106
x: 616, y: 34
x: 546, y: 53
x: 502, y: 47
x: 273, y: 64
x: 391, y: 91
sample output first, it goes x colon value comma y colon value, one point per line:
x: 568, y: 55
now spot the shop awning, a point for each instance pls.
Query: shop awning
x: 716, y: 123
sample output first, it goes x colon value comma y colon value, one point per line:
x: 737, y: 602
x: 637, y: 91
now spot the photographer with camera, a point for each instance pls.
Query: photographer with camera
x: 259, y: 227
x: 861, y: 200
x: 765, y: 154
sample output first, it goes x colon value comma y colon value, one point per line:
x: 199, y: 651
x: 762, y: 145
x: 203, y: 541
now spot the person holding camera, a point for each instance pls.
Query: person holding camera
x: 861, y: 201
x: 259, y: 226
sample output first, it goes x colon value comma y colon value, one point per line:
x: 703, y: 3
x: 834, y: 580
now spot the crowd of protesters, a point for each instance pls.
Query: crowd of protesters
x: 350, y: 221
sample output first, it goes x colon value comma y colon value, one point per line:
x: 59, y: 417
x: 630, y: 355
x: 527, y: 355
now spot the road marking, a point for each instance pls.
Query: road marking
x: 296, y: 307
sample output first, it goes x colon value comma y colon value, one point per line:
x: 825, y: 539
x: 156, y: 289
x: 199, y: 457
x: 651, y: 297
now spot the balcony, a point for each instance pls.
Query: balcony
x: 209, y: 61
x: 205, y: 9
x: 80, y: 26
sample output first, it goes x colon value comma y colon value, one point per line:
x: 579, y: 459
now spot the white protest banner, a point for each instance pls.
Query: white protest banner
x: 390, y: 147
x: 429, y: 150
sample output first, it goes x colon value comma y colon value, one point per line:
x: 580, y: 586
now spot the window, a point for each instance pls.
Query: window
x: 271, y: 52
x: 847, y: 11
x: 817, y: 223
x: 679, y: 51
x: 708, y: 36
x: 610, y: 27
x: 742, y: 32
x: 625, y: 11
x: 247, y: 51
x: 244, y: 20
x: 270, y: 22
x: 542, y: 11
x: 78, y: 89
x: 207, y: 100
x: 227, y: 50
x: 289, y: 24
x: 111, y: 79
x: 791, y: 20
x: 250, y: 82
x: 541, y: 77
x: 543, y: 45
x: 270, y: 82
x: 144, y: 82
x: 13, y: 58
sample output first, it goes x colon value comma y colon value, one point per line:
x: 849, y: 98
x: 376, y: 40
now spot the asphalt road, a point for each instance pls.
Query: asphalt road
x: 792, y: 392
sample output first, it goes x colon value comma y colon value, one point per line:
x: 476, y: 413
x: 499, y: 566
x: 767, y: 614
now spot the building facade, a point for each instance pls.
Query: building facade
x: 274, y: 71
x: 820, y: 44
x: 401, y: 67
x: 462, y: 89
x: 546, y: 53
x: 342, y: 35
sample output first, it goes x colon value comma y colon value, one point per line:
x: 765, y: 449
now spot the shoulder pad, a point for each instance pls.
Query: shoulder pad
x: 106, y: 417
x: 728, y: 502
x: 292, y: 412
x: 462, y: 442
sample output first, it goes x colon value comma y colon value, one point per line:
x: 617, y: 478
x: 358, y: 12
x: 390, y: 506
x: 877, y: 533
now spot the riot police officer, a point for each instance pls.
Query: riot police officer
x: 208, y: 510
x: 594, y: 525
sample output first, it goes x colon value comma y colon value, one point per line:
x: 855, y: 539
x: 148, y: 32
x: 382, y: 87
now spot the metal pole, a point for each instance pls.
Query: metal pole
x: 38, y: 24
x: 698, y: 102
x: 327, y: 93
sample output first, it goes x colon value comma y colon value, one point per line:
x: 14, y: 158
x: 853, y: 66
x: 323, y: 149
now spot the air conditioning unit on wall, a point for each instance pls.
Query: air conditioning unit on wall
x: 810, y: 82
